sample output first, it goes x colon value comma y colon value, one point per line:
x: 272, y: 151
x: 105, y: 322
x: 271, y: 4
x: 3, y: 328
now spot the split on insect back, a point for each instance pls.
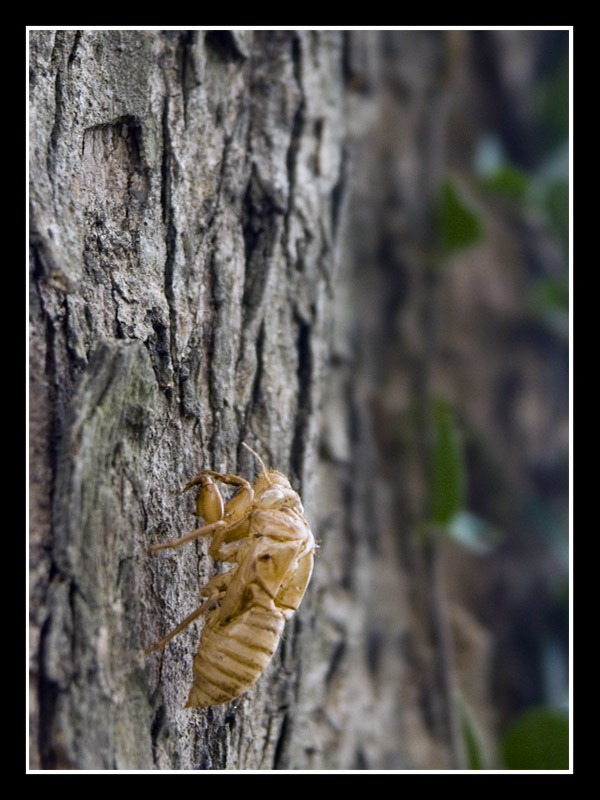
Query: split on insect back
x: 263, y: 532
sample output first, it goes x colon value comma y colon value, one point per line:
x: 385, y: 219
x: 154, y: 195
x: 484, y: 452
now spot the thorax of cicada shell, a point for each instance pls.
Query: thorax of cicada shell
x: 274, y: 491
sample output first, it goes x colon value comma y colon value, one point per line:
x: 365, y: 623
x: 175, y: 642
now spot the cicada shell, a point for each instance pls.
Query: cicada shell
x: 263, y: 532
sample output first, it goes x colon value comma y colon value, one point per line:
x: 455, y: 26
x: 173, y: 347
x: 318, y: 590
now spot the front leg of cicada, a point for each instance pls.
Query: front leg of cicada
x: 232, y: 515
x: 209, y: 501
x: 241, y: 502
x: 209, y: 506
x: 236, y: 516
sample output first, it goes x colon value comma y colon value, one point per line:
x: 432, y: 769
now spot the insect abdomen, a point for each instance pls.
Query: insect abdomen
x: 232, y: 656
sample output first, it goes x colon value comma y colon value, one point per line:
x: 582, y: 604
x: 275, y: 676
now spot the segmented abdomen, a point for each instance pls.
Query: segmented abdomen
x: 232, y: 656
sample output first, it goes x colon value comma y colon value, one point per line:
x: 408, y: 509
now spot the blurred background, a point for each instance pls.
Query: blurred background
x: 464, y: 199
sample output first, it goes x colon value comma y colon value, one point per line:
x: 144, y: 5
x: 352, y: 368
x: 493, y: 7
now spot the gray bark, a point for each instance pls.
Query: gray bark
x: 229, y: 238
x: 185, y: 208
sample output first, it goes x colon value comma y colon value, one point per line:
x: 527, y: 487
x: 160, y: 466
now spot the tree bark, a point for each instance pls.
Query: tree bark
x: 185, y: 207
x: 229, y: 238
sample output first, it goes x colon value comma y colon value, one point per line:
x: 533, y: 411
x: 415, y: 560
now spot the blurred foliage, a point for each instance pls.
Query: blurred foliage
x: 459, y: 225
x: 448, y: 474
x: 539, y: 739
x: 547, y: 193
x: 556, y: 205
x: 508, y: 181
x: 553, y: 106
x: 546, y: 188
x: 551, y: 294
x: 448, y: 486
x: 536, y: 202
x: 474, y: 750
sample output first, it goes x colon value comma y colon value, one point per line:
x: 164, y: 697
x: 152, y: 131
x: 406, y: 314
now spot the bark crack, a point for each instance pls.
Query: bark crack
x: 297, y: 129
x: 304, y: 406
x: 171, y: 231
x: 280, y: 754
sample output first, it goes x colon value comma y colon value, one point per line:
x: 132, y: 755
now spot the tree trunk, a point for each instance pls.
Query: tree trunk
x: 207, y: 269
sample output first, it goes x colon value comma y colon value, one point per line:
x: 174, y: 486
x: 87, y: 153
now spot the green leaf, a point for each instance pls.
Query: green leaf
x: 538, y: 740
x: 447, y: 467
x: 459, y: 226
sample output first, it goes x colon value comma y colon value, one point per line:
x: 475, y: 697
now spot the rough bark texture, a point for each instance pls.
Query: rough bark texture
x: 229, y: 243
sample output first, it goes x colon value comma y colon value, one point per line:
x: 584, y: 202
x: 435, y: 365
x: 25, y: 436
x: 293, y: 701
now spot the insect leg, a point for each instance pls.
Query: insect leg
x: 215, y: 588
x: 187, y: 621
x: 209, y: 502
x: 206, y: 530
x: 228, y: 539
x: 241, y: 502
x: 227, y: 477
